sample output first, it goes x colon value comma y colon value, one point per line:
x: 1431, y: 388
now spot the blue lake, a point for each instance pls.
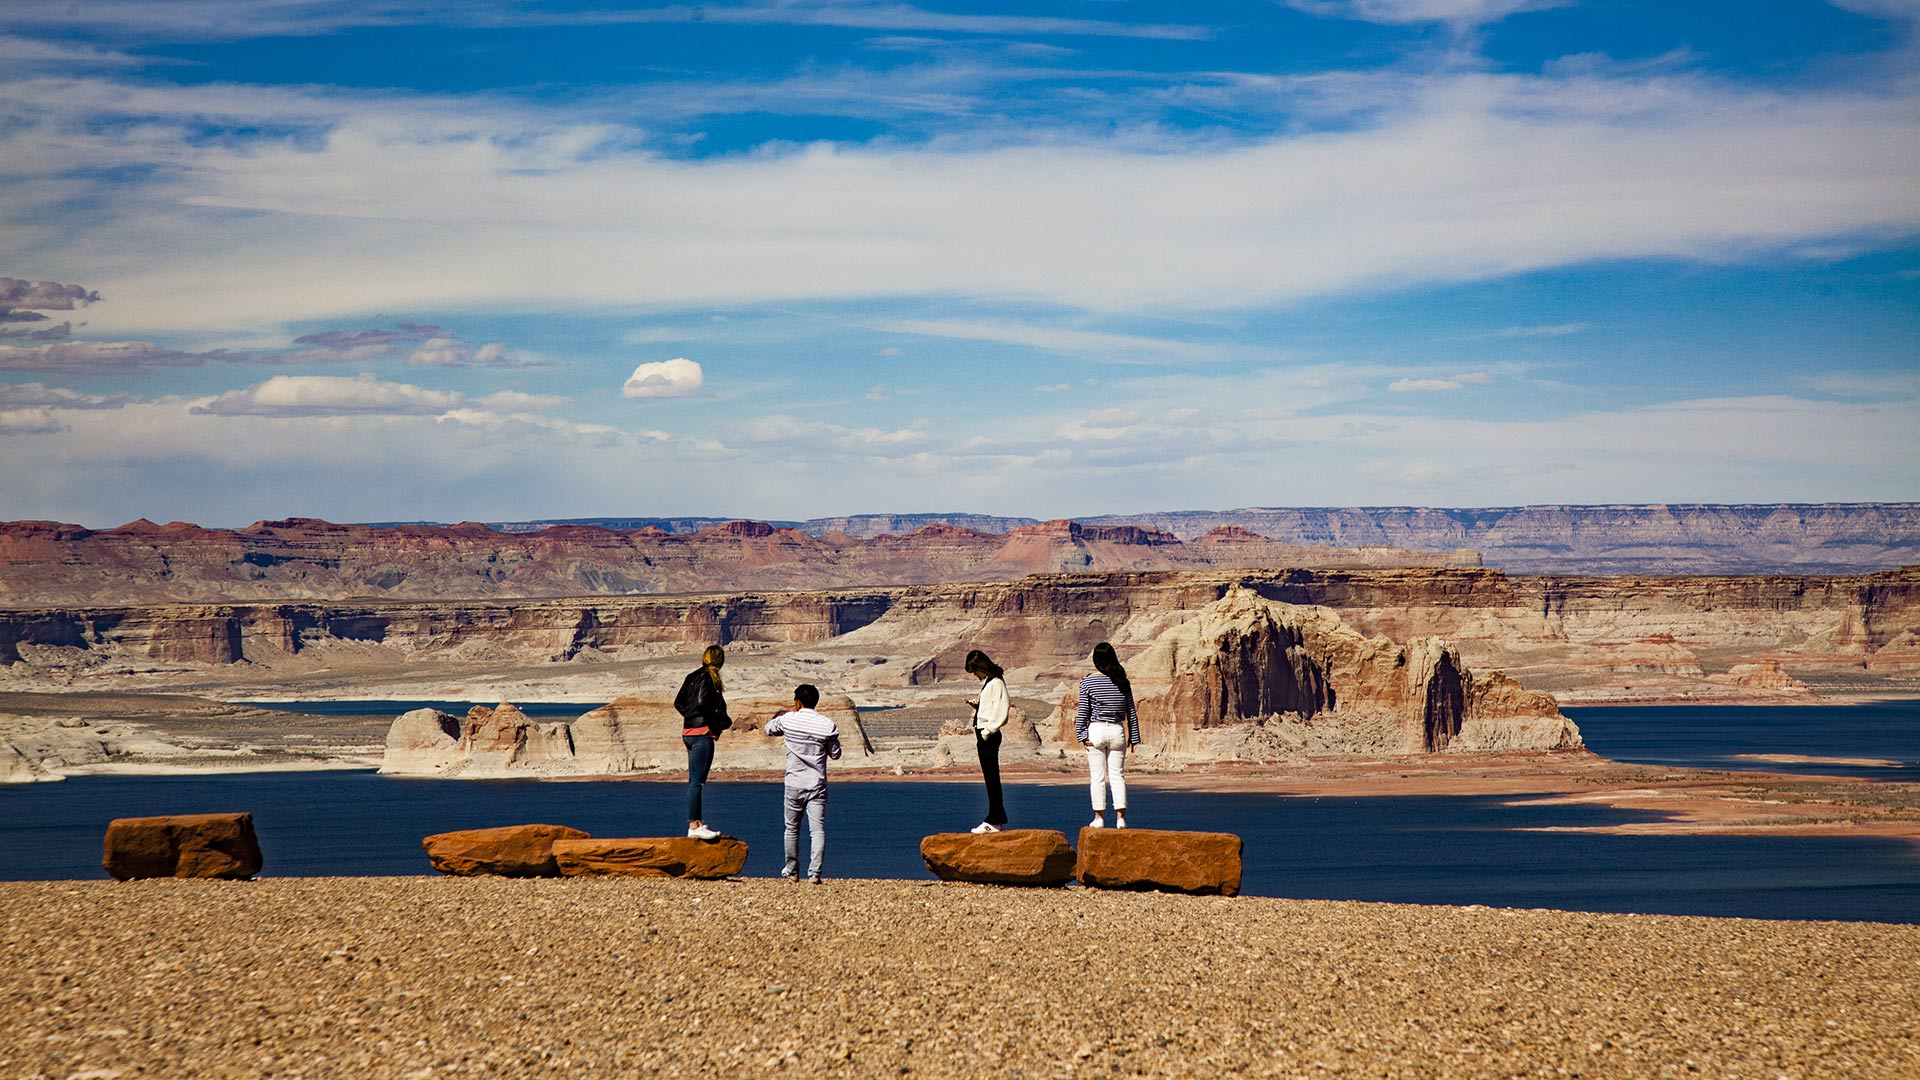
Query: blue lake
x: 1420, y: 849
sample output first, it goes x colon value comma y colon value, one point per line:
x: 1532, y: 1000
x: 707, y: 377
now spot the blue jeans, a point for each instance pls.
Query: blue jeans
x: 812, y: 803
x: 699, y: 762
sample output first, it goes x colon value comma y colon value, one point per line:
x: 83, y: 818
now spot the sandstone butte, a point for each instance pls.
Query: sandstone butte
x: 1011, y: 857
x: 506, y: 851
x: 673, y: 856
x: 182, y: 846
x: 1203, y: 863
x: 1250, y: 677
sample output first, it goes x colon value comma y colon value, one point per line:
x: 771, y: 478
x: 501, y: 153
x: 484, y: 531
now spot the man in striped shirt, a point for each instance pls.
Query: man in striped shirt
x: 812, y: 738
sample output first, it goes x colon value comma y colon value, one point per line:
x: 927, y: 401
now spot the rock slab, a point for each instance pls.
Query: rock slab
x: 1150, y: 859
x: 182, y: 846
x: 1011, y: 857
x: 651, y: 856
x: 507, y: 851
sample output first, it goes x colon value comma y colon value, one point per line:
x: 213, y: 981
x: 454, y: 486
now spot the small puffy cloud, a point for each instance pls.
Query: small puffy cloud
x: 677, y: 377
x: 37, y: 421
x: 43, y: 295
x: 331, y: 395
x: 449, y: 352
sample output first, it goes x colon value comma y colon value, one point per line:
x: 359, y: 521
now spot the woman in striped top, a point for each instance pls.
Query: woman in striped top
x: 1107, y: 725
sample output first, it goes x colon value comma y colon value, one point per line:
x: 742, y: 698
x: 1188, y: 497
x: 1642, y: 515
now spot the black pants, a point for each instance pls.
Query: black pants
x: 699, y: 761
x: 989, y: 748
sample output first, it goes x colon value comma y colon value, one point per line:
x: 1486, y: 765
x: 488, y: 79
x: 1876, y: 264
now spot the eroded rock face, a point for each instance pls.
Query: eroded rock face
x: 1151, y: 859
x: 1322, y: 688
x: 507, y: 851
x: 673, y: 856
x: 182, y: 845
x: 1012, y: 857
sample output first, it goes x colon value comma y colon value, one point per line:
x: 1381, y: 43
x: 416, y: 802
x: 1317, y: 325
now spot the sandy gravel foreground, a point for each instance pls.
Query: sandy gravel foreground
x: 425, y: 977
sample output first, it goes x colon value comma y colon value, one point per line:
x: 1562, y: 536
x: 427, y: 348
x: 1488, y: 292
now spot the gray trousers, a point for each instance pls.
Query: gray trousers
x: 813, y: 803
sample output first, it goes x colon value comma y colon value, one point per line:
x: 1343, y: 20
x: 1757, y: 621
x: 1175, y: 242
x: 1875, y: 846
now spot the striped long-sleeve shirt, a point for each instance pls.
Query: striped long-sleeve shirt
x: 1101, y: 700
x: 812, y: 738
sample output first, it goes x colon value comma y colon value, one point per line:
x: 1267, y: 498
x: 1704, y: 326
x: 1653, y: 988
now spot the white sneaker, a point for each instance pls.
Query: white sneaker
x: 1119, y: 821
x: 701, y: 832
x: 986, y: 827
x: 1098, y: 823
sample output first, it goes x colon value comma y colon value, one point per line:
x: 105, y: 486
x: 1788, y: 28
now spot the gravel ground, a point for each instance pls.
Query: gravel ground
x: 423, y: 977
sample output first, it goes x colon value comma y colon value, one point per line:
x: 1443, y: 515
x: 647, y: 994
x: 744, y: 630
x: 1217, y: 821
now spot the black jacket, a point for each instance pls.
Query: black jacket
x: 701, y: 704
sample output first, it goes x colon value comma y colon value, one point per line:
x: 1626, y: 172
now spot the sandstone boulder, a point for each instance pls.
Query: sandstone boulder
x: 507, y: 851
x: 182, y: 845
x: 1151, y: 859
x: 1012, y: 857
x: 651, y: 856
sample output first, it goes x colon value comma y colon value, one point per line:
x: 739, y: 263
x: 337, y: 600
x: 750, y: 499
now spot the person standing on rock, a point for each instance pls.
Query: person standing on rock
x: 702, y: 705
x: 989, y: 716
x: 1106, y: 724
x: 812, y: 738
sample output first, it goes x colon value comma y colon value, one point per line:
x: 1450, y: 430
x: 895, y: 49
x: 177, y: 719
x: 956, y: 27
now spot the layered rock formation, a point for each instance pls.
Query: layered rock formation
x: 651, y: 856
x: 1253, y: 677
x: 45, y: 563
x: 629, y: 734
x: 1038, y: 857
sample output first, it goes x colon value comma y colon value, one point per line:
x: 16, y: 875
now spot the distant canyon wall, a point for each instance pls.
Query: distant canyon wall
x: 48, y: 563
x: 1695, y: 538
x: 1558, y: 633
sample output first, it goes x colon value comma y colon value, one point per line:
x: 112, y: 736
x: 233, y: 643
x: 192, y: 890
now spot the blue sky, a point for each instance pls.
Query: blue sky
x: 369, y: 259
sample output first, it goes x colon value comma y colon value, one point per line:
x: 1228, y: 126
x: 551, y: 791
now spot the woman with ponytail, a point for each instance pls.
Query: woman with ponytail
x: 989, y: 716
x: 702, y: 705
x: 1107, y: 725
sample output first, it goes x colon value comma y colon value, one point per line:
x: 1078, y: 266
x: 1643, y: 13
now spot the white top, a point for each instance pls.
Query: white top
x: 812, y: 738
x: 991, y: 713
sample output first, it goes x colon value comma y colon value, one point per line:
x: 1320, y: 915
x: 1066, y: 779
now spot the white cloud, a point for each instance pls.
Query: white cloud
x: 330, y: 395
x: 677, y: 377
x: 448, y: 352
x: 95, y: 357
x: 1555, y: 330
x: 34, y: 421
x: 515, y: 401
x: 59, y: 397
x: 1092, y: 343
x: 1053, y: 388
x: 1415, y: 386
x: 416, y: 205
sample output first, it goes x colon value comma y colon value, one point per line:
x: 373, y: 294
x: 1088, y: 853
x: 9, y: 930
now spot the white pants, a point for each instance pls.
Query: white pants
x: 1106, y: 758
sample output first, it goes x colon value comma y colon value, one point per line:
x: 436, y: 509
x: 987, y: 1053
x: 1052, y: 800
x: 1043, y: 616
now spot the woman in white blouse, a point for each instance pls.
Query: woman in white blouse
x: 989, y: 715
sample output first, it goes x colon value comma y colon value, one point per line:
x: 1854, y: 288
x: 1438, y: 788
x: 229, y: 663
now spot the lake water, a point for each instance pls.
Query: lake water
x: 1419, y: 849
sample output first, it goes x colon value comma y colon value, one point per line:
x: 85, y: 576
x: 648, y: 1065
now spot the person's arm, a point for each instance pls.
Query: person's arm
x: 833, y: 744
x: 773, y: 726
x: 1133, y: 723
x: 1083, y: 715
x: 992, y: 713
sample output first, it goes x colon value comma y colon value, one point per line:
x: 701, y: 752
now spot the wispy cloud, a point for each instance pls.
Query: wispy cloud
x: 1124, y: 348
x: 1455, y: 12
x: 330, y: 395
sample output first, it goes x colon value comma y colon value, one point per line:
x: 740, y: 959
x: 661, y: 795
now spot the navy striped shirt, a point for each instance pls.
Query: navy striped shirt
x: 1101, y: 700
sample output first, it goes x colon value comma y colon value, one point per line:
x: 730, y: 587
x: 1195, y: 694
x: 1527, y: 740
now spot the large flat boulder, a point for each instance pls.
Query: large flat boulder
x: 651, y: 856
x: 1011, y: 857
x: 183, y: 846
x: 507, y: 851
x: 1152, y: 859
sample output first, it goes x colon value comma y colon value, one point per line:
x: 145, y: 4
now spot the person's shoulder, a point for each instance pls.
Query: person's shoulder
x: 1093, y: 678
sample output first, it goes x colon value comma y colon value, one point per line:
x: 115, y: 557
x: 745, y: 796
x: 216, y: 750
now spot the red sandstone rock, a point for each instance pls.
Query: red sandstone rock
x: 1151, y: 859
x: 182, y: 845
x: 651, y: 856
x: 507, y: 851
x: 1013, y: 857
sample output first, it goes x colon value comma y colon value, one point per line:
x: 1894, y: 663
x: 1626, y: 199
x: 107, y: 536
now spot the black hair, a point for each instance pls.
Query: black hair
x: 979, y: 663
x: 807, y: 694
x: 1107, y: 663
